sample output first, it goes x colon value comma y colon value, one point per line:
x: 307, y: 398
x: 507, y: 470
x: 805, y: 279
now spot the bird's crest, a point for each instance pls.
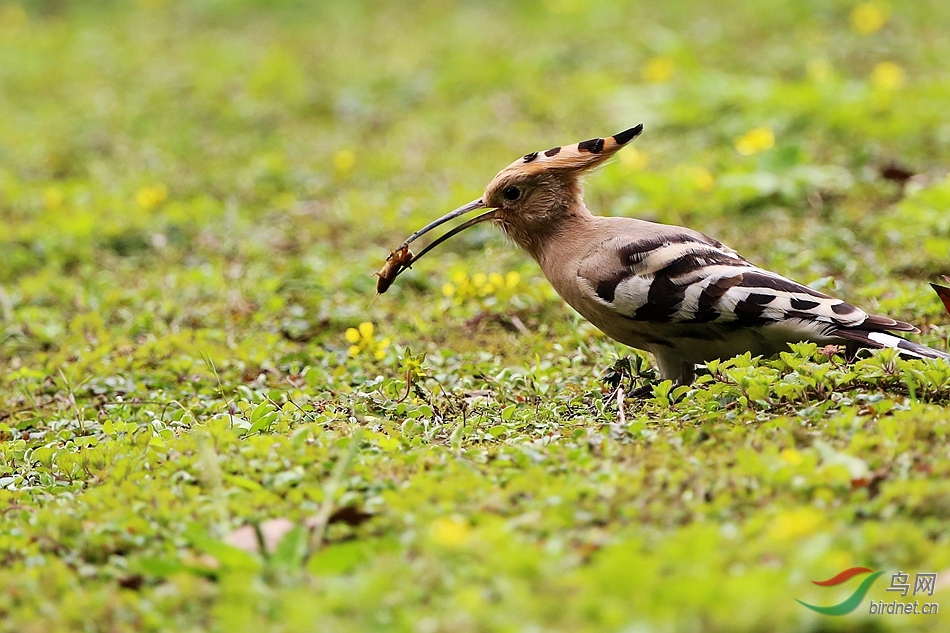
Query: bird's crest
x: 575, y: 157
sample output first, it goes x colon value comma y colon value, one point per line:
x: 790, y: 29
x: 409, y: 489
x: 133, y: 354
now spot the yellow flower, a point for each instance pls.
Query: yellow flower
x: 12, y: 18
x: 699, y: 176
x: 367, y: 330
x: 452, y: 533
x: 363, y: 341
x: 838, y: 560
x: 791, y: 457
x: 755, y: 140
x: 818, y: 69
x: 659, y: 70
x: 633, y: 159
x: 887, y: 76
x: 704, y: 180
x: 151, y: 196
x: 564, y: 7
x: 52, y: 198
x: 486, y: 289
x: 343, y: 161
x: 794, y: 524
x: 869, y: 17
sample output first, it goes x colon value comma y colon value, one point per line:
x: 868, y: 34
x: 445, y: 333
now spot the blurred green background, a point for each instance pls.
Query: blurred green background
x: 193, y: 197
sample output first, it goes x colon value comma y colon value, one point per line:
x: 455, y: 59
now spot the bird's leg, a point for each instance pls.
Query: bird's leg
x: 646, y: 389
x: 680, y: 372
x: 625, y: 374
x: 675, y: 369
x: 640, y: 377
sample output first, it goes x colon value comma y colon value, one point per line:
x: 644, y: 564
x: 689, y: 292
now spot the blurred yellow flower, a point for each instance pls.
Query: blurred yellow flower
x: 700, y: 177
x: 52, y: 198
x: 659, y: 70
x: 869, y: 17
x: 887, y: 76
x: 633, y: 159
x: 838, y: 560
x: 343, y: 161
x: 791, y: 457
x: 363, y: 341
x: 151, y: 196
x: 12, y: 18
x: 495, y: 286
x: 818, y: 69
x: 564, y: 7
x: 793, y: 524
x: 450, y: 532
x: 755, y: 140
x: 703, y: 180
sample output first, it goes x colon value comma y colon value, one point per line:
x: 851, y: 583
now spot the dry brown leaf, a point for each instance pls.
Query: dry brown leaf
x: 351, y: 515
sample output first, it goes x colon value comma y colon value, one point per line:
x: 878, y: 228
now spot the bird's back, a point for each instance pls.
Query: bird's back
x: 688, y: 298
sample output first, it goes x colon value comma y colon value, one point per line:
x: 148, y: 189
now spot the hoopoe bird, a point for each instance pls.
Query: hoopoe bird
x: 670, y: 290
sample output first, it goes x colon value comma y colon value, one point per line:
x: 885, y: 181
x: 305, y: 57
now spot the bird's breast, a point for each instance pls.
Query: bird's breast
x: 624, y: 330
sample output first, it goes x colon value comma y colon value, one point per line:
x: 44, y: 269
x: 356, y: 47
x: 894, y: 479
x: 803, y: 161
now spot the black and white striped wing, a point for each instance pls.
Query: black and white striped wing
x: 689, y: 278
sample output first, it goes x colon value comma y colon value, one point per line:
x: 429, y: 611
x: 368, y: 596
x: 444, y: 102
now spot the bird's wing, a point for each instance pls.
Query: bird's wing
x: 686, y: 277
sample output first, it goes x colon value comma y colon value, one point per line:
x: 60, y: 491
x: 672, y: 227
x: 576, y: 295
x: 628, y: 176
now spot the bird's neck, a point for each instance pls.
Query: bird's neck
x: 553, y: 241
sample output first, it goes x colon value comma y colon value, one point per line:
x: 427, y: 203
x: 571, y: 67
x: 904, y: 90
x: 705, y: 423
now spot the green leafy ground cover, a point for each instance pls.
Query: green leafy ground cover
x: 193, y: 195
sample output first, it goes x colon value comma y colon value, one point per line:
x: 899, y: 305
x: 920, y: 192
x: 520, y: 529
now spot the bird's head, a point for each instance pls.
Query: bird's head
x: 529, y: 197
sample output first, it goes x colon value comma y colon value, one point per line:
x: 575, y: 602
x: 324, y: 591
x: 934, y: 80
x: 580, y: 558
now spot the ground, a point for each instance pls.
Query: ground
x: 193, y: 197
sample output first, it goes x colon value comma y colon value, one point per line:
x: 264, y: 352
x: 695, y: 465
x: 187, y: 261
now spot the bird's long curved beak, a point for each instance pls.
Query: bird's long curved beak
x: 467, y: 208
x: 490, y: 215
x: 401, y: 258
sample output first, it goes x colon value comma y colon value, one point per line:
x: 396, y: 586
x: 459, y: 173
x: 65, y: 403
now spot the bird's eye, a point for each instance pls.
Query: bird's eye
x: 511, y: 193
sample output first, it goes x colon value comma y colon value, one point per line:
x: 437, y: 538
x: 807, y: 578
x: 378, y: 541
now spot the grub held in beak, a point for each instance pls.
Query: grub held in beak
x: 401, y: 258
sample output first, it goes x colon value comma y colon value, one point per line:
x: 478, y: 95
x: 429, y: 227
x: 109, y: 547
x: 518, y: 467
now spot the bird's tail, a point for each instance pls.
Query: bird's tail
x: 880, y: 340
x: 877, y: 336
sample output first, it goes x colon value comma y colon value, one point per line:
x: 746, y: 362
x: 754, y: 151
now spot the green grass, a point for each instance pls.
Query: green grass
x: 193, y: 197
